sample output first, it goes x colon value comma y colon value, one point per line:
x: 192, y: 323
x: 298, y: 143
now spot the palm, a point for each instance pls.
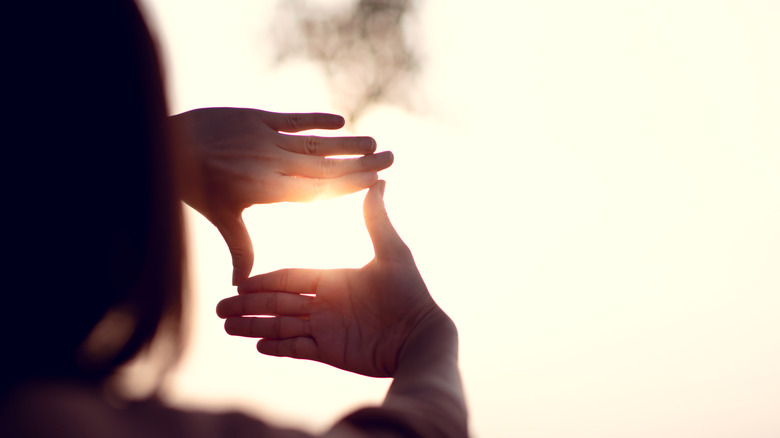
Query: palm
x: 359, y: 320
x: 354, y: 319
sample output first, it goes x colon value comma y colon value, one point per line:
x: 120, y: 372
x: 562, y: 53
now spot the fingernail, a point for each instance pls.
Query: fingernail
x: 382, y: 184
x: 388, y: 156
x: 368, y: 145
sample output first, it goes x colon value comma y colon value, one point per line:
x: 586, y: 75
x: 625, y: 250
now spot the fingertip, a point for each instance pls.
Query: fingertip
x: 237, y: 276
x: 220, y: 310
x: 391, y: 157
x: 243, y: 258
x: 239, y: 244
x: 242, y: 266
x: 384, y: 159
x: 230, y: 326
x: 368, y: 145
x: 267, y: 347
x: 336, y: 121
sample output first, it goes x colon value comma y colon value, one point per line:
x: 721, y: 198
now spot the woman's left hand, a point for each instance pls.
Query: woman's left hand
x: 240, y: 157
x: 355, y: 319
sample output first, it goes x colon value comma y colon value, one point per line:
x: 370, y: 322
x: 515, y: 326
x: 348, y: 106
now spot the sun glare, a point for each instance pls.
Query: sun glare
x: 325, y: 233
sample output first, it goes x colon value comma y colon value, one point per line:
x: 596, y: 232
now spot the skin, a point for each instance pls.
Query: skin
x: 379, y: 321
x: 237, y: 157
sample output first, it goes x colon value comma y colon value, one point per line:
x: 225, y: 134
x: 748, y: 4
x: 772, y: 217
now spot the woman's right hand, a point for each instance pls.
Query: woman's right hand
x: 239, y: 157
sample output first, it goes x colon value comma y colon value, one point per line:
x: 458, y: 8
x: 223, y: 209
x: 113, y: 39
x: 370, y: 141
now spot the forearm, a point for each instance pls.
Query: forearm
x: 427, y: 384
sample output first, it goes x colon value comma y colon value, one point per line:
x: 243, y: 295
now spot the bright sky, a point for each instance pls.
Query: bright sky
x: 592, y: 192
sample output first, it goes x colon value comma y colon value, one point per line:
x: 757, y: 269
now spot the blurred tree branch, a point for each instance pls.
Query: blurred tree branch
x: 363, y: 47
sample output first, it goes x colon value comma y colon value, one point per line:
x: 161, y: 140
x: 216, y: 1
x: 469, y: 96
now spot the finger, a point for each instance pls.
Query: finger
x: 264, y: 303
x: 319, y: 167
x: 309, y: 189
x: 325, y: 146
x: 299, y: 348
x: 295, y: 122
x: 387, y: 243
x: 239, y: 243
x: 299, y: 281
x: 280, y: 327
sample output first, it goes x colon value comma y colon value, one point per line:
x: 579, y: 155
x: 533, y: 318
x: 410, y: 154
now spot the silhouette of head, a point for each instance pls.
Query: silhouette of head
x: 94, y: 221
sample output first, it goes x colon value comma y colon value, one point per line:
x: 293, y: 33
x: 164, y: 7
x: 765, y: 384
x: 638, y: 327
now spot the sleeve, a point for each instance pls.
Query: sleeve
x: 384, y: 422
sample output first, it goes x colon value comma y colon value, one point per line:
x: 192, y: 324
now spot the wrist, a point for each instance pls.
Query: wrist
x: 427, y: 386
x: 434, y: 338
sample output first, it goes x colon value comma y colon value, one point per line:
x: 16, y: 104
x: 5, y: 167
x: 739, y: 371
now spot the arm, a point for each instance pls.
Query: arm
x: 426, y: 397
x: 378, y: 321
x: 234, y: 158
x: 427, y: 383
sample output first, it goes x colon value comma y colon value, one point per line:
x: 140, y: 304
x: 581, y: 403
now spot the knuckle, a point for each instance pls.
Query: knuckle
x: 284, y: 278
x: 306, y: 309
x: 272, y: 304
x: 255, y: 327
x: 295, y: 347
x: 237, y: 251
x: 312, y: 145
x: 329, y: 167
x: 276, y: 327
x: 293, y: 121
x: 245, y: 308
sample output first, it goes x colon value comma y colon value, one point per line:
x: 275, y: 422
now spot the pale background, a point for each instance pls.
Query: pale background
x: 591, y: 191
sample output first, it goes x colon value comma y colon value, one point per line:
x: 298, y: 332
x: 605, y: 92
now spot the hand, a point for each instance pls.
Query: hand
x: 354, y: 319
x: 239, y: 158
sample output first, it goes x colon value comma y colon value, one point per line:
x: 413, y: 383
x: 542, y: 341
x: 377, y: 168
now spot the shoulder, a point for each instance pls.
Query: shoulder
x: 67, y: 410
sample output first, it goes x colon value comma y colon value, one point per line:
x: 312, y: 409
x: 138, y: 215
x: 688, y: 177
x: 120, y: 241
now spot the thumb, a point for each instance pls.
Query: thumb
x: 239, y: 243
x: 387, y: 243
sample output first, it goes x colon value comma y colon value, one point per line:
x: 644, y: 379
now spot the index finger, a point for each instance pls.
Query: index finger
x: 295, y: 122
x: 301, y: 281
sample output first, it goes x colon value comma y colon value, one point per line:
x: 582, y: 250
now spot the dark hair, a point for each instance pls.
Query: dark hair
x: 95, y: 219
